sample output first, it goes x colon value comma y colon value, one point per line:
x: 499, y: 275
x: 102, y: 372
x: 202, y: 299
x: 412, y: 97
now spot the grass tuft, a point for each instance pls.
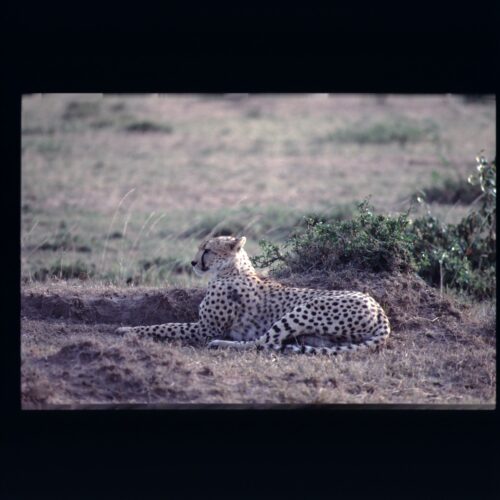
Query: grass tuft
x: 64, y: 271
x: 144, y: 127
x: 400, y: 130
x: 78, y: 110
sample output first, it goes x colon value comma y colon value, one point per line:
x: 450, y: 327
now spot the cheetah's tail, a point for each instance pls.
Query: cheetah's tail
x: 377, y: 339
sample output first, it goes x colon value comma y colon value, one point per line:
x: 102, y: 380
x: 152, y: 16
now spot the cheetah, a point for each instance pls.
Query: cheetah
x: 243, y: 310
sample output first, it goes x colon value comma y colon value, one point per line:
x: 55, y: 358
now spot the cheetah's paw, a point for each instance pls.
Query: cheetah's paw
x: 215, y: 344
x: 123, y: 330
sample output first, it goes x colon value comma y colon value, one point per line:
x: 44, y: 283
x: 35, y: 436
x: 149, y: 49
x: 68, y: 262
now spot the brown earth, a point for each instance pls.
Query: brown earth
x: 440, y: 352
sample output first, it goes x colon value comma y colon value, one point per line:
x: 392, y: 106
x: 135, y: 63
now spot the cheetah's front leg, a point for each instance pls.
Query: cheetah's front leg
x: 160, y: 333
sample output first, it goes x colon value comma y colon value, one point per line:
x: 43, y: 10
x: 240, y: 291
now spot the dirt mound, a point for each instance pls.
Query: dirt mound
x: 84, y: 353
x: 95, y: 373
x: 408, y: 301
x: 439, y: 351
x: 143, y: 308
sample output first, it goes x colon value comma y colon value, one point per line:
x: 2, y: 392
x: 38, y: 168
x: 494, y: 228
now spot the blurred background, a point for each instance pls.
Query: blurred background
x: 121, y: 188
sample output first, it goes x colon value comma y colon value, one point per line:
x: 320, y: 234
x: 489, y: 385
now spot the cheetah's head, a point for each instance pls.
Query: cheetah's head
x: 216, y: 254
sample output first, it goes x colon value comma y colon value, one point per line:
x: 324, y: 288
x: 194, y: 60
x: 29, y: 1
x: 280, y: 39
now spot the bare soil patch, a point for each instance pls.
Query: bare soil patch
x: 440, y: 352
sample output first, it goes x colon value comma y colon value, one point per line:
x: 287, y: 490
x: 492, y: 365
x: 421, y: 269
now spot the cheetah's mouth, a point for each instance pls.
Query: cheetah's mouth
x: 198, y: 271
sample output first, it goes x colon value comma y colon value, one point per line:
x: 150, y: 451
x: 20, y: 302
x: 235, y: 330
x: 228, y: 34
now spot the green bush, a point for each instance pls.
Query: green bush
x: 460, y: 256
x: 369, y: 241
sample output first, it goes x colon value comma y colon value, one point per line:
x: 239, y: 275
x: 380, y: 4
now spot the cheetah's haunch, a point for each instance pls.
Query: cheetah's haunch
x: 242, y: 310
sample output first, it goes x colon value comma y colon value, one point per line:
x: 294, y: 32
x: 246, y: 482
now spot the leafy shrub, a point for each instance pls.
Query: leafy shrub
x: 370, y: 241
x: 463, y: 255
x: 447, y: 255
x: 460, y: 256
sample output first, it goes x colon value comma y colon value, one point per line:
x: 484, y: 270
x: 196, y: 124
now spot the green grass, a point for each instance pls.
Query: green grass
x: 112, y: 249
x: 78, y: 110
x: 140, y: 247
x: 143, y: 127
x: 398, y: 130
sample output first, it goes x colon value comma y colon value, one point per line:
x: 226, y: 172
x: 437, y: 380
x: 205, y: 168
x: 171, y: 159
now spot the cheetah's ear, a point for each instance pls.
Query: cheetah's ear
x: 238, y: 244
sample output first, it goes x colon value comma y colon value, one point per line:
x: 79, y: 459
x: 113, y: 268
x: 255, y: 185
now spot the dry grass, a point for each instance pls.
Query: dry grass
x: 438, y: 353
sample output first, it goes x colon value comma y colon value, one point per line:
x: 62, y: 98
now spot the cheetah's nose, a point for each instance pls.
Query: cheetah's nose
x: 193, y: 263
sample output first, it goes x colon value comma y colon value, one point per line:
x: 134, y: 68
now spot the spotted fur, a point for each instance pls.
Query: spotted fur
x: 242, y: 310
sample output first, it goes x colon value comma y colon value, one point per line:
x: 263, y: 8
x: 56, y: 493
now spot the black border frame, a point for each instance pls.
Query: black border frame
x: 315, y: 451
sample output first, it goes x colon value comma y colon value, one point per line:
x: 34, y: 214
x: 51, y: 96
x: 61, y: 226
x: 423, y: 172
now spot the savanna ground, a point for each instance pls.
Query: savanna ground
x: 118, y: 190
